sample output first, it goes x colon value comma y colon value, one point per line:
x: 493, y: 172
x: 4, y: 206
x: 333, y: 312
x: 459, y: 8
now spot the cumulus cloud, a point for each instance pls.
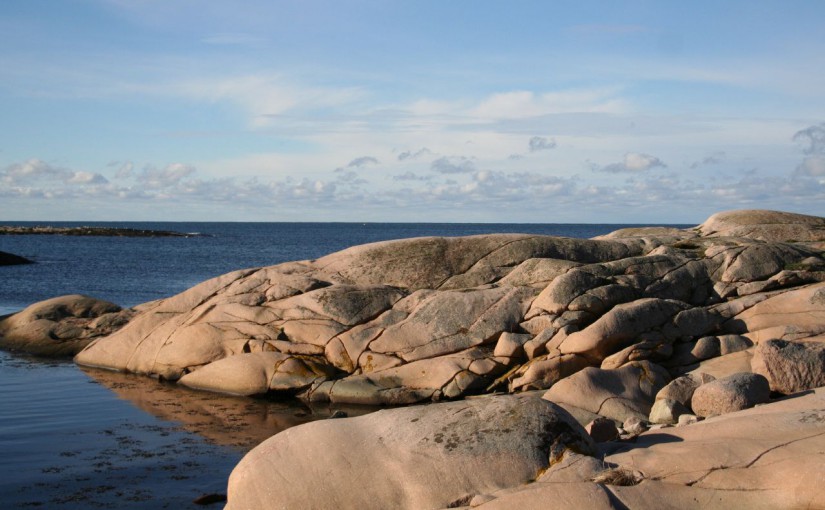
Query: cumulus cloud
x: 411, y: 176
x: 634, y: 162
x: 351, y: 178
x: 125, y: 171
x: 31, y: 170
x: 453, y: 165
x: 813, y: 140
x: 168, y: 176
x: 35, y: 170
x: 813, y: 137
x: 713, y: 159
x: 813, y: 166
x: 403, y: 156
x: 362, y: 161
x: 540, y: 143
x: 87, y: 178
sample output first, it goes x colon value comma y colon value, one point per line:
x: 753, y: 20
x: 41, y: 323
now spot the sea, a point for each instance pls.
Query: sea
x: 81, y: 438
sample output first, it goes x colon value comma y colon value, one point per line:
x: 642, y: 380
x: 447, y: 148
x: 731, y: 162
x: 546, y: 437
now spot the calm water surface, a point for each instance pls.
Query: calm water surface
x: 72, y: 438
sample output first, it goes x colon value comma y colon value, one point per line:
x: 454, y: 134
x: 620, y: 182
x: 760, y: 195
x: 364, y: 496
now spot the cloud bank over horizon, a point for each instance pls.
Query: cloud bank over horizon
x: 279, y: 112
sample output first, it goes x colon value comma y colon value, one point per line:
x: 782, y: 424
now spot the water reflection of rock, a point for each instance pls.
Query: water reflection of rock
x: 239, y: 422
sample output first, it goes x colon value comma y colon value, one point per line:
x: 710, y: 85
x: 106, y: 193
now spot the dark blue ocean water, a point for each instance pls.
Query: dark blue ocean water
x: 69, y: 439
x: 132, y: 270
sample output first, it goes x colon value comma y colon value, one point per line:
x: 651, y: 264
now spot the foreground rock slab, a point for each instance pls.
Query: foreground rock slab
x: 418, y: 457
x: 767, y: 457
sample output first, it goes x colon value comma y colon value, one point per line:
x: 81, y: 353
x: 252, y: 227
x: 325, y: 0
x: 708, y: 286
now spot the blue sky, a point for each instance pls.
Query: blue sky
x: 466, y: 111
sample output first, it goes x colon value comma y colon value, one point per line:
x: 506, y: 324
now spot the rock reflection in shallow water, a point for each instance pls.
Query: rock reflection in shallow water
x: 238, y: 422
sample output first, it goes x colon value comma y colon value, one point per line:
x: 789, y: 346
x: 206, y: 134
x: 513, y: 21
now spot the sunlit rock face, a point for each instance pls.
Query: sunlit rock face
x: 398, y: 322
x: 61, y: 326
x: 434, y: 456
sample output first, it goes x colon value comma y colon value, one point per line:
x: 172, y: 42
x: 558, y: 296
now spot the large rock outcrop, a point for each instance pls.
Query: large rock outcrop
x: 601, y: 326
x: 439, y: 318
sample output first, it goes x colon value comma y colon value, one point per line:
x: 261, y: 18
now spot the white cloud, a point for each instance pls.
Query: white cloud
x: 362, y: 161
x: 86, y: 178
x: 634, y: 162
x: 813, y: 166
x: 813, y: 137
x: 36, y: 170
x: 411, y: 176
x: 453, y: 165
x: 540, y: 143
x: 159, y: 178
x: 713, y: 159
x: 33, y: 169
x: 125, y: 171
x: 403, y: 156
x: 526, y: 104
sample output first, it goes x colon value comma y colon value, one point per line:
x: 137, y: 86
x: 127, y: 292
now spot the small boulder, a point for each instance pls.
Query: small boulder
x: 706, y: 347
x: 602, y: 429
x: 790, y: 366
x: 687, y: 419
x: 681, y: 389
x: 511, y: 345
x: 634, y: 426
x: 667, y: 411
x: 732, y: 393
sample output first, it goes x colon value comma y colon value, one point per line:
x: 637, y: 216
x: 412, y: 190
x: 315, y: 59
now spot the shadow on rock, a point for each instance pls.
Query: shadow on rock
x: 238, y: 422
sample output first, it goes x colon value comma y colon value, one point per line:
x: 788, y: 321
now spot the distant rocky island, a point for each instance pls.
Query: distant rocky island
x: 90, y: 231
x: 648, y: 368
x: 10, y: 259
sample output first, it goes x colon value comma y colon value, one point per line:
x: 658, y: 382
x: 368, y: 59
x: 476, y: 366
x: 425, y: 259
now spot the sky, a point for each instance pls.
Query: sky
x: 418, y: 111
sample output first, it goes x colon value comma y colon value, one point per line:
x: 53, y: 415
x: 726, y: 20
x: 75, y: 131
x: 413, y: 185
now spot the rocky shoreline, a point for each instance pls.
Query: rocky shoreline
x: 646, y: 368
x: 90, y: 231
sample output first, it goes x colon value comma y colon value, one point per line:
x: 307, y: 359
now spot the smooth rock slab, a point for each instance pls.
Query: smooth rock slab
x: 767, y: 457
x: 408, y: 458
